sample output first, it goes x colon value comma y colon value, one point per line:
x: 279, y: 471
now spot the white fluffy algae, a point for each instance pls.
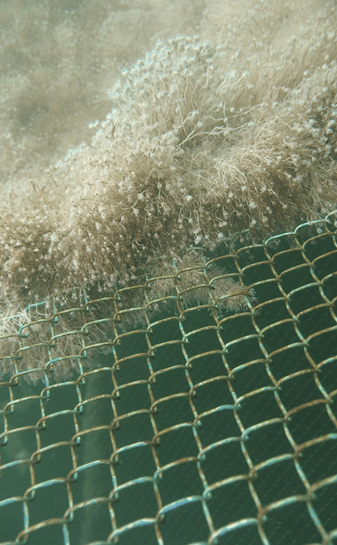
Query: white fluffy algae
x: 204, y: 141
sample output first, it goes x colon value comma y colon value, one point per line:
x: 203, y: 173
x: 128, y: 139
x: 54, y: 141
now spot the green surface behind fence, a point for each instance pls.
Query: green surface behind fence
x: 198, y: 426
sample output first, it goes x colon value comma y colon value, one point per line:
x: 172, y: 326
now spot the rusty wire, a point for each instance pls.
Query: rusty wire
x: 195, y: 426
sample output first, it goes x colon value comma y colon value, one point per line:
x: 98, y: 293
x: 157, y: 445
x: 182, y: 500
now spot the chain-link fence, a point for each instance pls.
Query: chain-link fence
x: 197, y: 425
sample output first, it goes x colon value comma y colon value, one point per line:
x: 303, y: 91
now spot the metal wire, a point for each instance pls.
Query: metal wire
x: 197, y: 427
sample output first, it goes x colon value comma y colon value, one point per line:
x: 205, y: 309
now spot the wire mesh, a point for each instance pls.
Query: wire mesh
x: 196, y: 426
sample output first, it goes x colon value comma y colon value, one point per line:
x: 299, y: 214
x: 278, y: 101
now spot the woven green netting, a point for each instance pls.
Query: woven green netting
x: 196, y: 425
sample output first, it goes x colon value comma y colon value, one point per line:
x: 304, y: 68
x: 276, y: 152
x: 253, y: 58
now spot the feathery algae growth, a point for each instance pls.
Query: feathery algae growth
x: 199, y: 146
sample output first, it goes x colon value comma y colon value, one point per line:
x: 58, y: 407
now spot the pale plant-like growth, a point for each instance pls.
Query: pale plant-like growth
x: 204, y: 141
x: 195, y: 283
x: 57, y: 61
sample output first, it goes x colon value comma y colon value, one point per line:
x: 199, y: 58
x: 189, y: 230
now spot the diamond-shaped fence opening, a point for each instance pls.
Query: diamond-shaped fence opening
x: 193, y: 424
